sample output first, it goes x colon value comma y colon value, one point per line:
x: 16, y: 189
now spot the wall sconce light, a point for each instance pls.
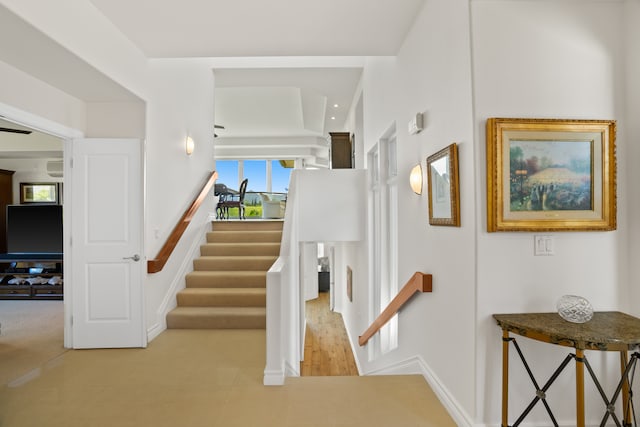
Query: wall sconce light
x: 188, y: 145
x: 415, y: 179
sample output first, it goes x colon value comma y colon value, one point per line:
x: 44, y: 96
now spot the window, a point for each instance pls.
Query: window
x: 256, y: 172
x: 228, y: 173
x: 266, y: 176
x: 279, y: 177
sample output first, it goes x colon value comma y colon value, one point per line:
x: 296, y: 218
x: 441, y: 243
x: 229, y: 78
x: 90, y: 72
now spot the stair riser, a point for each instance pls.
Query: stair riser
x: 185, y: 300
x: 245, y: 249
x: 248, y: 237
x: 216, y: 322
x: 246, y: 225
x: 226, y: 264
x: 225, y: 281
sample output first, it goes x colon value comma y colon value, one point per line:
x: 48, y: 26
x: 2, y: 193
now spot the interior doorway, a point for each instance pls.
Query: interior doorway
x: 327, y: 349
x: 32, y: 318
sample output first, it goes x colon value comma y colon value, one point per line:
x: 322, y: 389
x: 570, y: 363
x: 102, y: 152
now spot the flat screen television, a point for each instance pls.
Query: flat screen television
x: 34, y: 229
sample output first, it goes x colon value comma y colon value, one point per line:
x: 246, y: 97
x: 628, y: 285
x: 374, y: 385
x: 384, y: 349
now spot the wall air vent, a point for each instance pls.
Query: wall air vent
x: 55, y: 168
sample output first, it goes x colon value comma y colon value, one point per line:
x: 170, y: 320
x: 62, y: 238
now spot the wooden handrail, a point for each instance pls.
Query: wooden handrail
x: 419, y: 282
x: 156, y: 264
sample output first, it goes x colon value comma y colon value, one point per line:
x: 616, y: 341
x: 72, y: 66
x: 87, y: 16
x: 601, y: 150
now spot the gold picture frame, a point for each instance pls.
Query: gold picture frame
x: 551, y: 175
x: 443, y: 186
x: 40, y: 192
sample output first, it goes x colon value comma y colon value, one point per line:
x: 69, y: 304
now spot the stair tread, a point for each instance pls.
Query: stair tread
x: 236, y: 232
x: 256, y: 273
x: 212, y: 311
x: 225, y: 245
x: 198, y: 291
x: 232, y: 257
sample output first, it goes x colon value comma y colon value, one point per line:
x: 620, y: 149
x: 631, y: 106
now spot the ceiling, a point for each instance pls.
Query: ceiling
x: 217, y: 28
x: 27, y: 146
x: 270, y: 102
x: 251, y: 100
x: 46, y: 60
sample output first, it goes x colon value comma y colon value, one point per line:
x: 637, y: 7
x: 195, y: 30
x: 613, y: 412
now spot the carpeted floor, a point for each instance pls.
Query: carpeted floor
x: 206, y: 378
x: 186, y: 378
x: 31, y: 333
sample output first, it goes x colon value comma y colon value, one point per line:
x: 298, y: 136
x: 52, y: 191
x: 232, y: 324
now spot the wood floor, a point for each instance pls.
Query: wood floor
x: 327, y: 351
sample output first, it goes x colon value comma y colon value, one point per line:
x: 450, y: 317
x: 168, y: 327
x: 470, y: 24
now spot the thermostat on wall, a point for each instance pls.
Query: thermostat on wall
x: 416, y: 124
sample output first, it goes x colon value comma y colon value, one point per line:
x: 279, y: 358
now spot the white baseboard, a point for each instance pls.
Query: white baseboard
x: 417, y: 365
x: 273, y: 378
x: 290, y: 371
x: 353, y: 350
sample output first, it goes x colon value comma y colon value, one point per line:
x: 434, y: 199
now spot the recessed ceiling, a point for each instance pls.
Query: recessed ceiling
x: 283, y: 101
x: 217, y: 28
x: 292, y: 101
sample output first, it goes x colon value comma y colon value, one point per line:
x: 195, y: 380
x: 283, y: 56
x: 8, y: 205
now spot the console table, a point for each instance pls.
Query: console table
x: 606, y: 331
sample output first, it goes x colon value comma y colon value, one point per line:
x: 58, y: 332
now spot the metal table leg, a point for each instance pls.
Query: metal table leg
x: 505, y: 377
x: 579, y: 387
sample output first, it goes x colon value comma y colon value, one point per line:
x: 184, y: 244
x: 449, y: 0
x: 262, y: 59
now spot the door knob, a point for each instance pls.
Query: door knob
x: 136, y: 257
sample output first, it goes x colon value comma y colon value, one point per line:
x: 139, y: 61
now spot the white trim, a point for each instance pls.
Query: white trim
x: 38, y: 123
x: 290, y: 371
x: 67, y: 134
x: 417, y: 365
x: 353, y: 349
x: 273, y: 378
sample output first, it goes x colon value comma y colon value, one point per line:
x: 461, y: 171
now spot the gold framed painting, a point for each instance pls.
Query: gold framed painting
x: 40, y: 192
x: 551, y: 175
x: 443, y: 186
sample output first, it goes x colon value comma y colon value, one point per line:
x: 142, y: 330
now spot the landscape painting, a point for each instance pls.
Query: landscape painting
x: 550, y: 175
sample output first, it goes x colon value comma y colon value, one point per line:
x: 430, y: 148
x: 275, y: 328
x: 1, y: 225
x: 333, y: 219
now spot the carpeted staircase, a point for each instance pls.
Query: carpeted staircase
x: 227, y: 289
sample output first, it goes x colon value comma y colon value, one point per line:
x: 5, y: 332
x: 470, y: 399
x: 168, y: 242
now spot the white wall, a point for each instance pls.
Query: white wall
x: 560, y: 59
x: 179, y: 101
x: 526, y: 59
x: 431, y: 75
x: 89, y: 35
x: 335, y: 211
x: 23, y: 92
x: 116, y: 120
x: 180, y: 104
x: 632, y: 195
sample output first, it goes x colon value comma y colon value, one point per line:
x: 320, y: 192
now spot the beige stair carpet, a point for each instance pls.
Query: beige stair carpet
x: 227, y: 288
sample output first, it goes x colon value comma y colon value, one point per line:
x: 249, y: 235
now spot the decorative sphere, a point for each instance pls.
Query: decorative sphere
x: 574, y: 308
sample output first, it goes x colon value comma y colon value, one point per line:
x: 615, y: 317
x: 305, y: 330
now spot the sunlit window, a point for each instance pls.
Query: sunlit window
x: 269, y: 176
x: 228, y: 173
x: 279, y: 177
x: 256, y: 172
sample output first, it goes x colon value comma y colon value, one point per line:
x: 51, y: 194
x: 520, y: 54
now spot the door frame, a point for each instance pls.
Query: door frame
x: 67, y: 134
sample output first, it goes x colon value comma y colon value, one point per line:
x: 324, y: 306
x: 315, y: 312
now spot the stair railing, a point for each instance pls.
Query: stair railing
x: 419, y: 282
x: 155, y: 265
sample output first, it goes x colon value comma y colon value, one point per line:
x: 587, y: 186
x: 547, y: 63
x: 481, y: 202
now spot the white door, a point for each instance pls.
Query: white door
x: 106, y: 244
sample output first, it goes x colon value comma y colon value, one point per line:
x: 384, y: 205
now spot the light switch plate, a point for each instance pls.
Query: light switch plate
x: 543, y: 245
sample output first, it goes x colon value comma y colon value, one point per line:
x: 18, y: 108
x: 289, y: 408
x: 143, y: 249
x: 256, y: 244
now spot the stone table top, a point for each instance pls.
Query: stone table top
x: 607, y: 330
